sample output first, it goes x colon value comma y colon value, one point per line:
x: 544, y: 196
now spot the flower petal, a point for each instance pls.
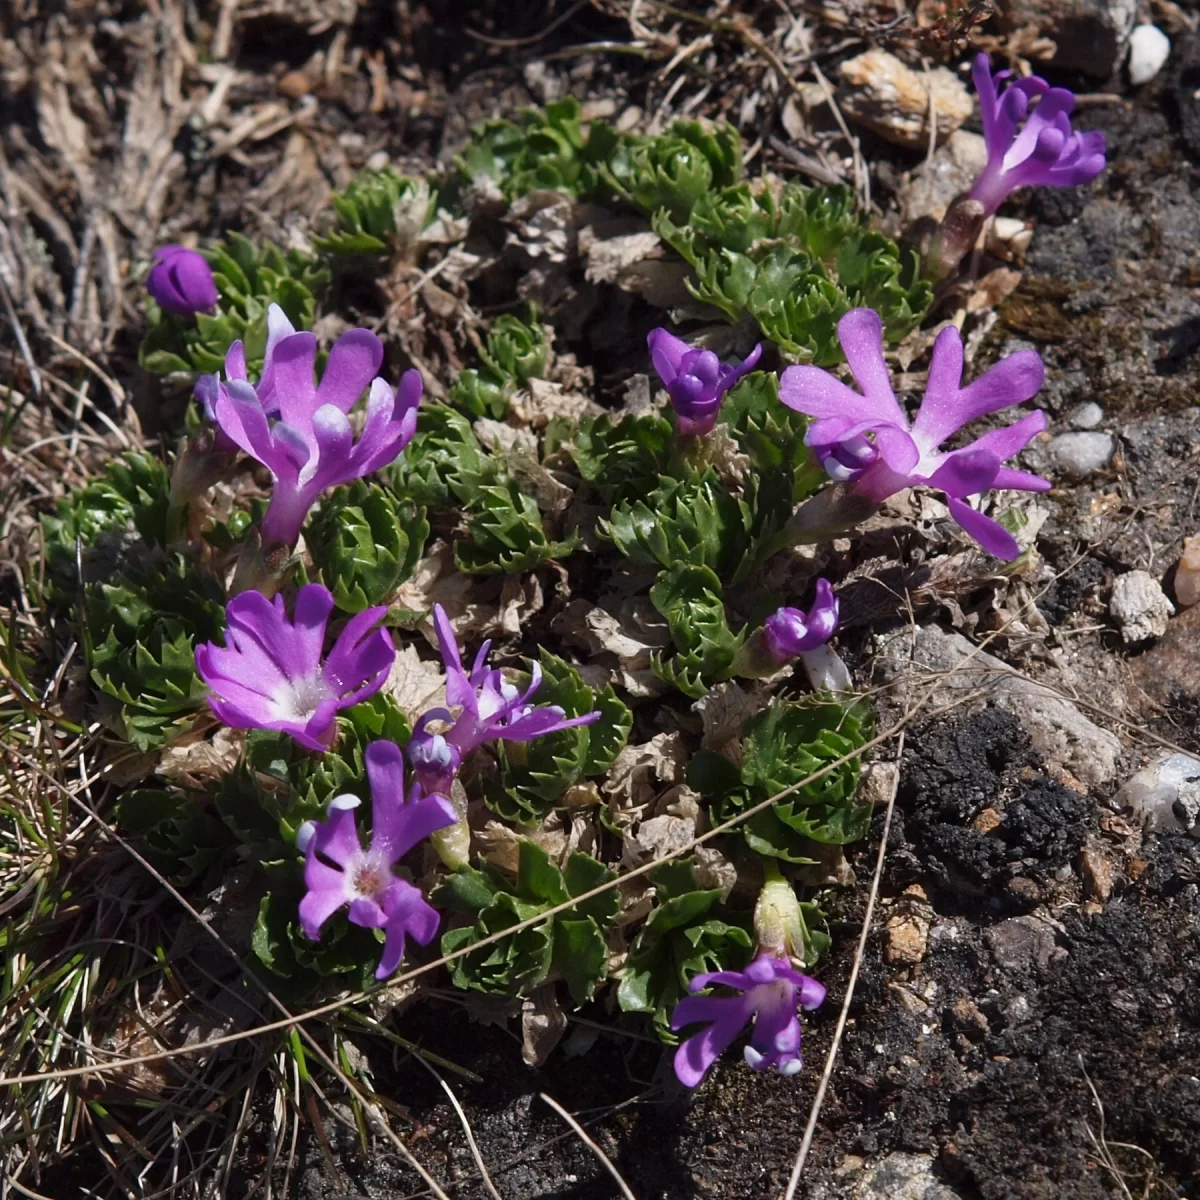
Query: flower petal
x: 408, y: 915
x: 666, y: 353
x: 353, y: 362
x: 991, y: 535
x: 396, y: 826
x: 699, y: 1052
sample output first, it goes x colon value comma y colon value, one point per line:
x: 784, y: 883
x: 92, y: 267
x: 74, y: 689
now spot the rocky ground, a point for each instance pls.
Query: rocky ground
x: 1027, y: 1019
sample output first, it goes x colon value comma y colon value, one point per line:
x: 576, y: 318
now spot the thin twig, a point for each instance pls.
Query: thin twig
x: 844, y: 1015
x: 603, y: 1158
x: 462, y: 1117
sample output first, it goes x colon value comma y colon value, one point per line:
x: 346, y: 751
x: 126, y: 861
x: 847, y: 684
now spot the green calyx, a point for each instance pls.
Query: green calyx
x: 572, y: 943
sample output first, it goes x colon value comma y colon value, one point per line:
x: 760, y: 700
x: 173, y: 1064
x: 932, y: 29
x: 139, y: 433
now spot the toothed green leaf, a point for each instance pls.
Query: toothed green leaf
x: 781, y: 747
x: 365, y: 543
x: 444, y: 465
x: 622, y: 457
x: 505, y: 535
x: 535, y: 775
x: 573, y: 941
x: 690, y: 520
x: 689, y: 596
x: 684, y: 935
x: 377, y: 208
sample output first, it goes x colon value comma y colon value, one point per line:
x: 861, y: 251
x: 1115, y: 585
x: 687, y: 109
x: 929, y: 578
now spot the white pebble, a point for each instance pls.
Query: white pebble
x: 1086, y: 415
x: 1140, y: 606
x: 1079, y: 454
x: 1165, y: 794
x: 1148, y: 50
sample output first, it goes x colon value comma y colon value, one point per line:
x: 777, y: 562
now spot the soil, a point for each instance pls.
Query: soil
x: 1050, y: 1022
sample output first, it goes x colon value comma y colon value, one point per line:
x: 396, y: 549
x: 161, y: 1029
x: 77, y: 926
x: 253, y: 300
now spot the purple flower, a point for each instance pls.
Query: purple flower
x: 338, y: 871
x: 309, y: 445
x: 1045, y: 152
x: 696, y: 380
x: 182, y: 281
x: 790, y: 632
x: 865, y: 440
x: 772, y: 991
x: 490, y: 709
x: 270, y: 673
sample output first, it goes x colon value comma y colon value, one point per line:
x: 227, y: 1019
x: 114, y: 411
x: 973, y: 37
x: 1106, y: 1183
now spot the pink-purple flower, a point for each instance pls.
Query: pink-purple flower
x: 789, y: 632
x: 181, y: 281
x: 300, y: 429
x: 338, y: 872
x: 489, y: 709
x: 272, y: 673
x: 866, y: 441
x: 1043, y: 152
x: 696, y: 380
x: 772, y: 992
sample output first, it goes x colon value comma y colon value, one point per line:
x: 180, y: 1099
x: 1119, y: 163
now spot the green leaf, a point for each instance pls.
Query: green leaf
x: 377, y: 209
x: 444, y: 464
x: 505, y: 534
x: 691, y: 520
x: 782, y: 747
x: 113, y: 517
x: 573, y: 941
x: 535, y: 775
x: 683, y: 936
x: 365, y: 543
x: 622, y: 457
x: 689, y: 596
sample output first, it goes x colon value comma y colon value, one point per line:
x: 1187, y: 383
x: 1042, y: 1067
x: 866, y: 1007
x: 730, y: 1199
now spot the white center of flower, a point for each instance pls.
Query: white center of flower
x: 299, y: 699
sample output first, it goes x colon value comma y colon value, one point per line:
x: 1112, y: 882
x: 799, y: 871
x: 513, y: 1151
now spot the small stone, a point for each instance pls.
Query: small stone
x: 1187, y: 573
x: 1088, y: 35
x: 986, y: 821
x: 1149, y: 48
x: 893, y: 100
x: 1097, y: 870
x: 908, y: 928
x: 903, y: 1176
x: 952, y: 170
x: 1165, y: 794
x: 1086, y: 415
x: 1140, y: 607
x: 1079, y: 454
x: 1024, y: 943
x: 965, y: 1016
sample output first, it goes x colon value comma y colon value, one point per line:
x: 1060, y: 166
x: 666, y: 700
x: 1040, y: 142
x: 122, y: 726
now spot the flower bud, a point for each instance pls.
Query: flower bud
x: 182, y: 281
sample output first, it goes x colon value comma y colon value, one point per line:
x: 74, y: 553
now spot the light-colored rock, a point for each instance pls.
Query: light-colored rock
x: 1086, y: 415
x: 1149, y: 48
x: 1079, y: 454
x: 957, y: 669
x: 952, y: 169
x: 893, y: 100
x: 1139, y: 606
x: 904, y: 1177
x: 1024, y: 944
x: 1165, y: 794
x: 1088, y: 35
x: 1187, y: 573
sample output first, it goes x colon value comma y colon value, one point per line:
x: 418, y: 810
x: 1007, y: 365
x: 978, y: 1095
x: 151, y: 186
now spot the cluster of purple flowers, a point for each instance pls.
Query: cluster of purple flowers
x: 274, y: 672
